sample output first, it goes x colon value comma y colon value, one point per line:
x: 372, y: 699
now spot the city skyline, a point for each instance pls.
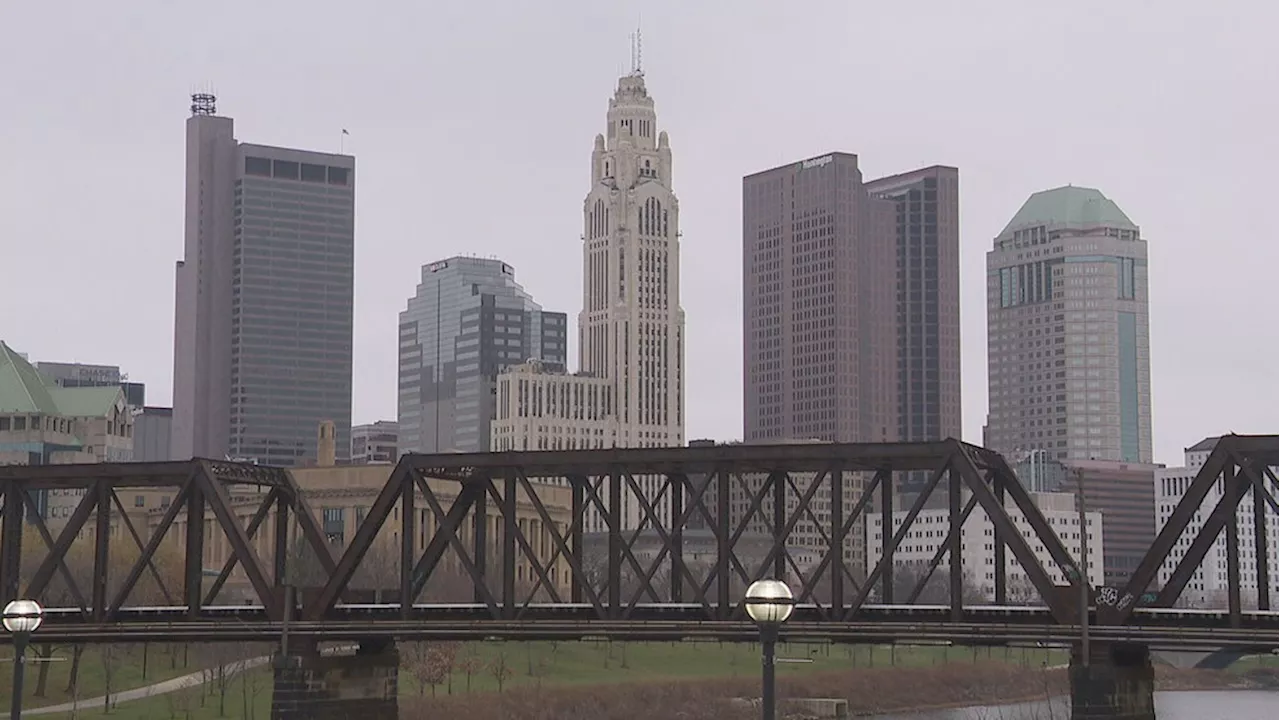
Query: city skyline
x: 1128, y: 155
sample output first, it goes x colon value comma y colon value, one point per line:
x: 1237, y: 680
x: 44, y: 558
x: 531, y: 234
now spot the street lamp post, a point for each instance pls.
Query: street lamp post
x: 21, y: 618
x: 769, y: 603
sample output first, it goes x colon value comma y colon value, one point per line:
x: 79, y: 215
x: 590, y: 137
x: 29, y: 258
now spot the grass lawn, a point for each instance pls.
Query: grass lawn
x: 248, y: 697
x: 593, y: 663
x: 1253, y: 662
x: 577, y: 663
x: 131, y: 666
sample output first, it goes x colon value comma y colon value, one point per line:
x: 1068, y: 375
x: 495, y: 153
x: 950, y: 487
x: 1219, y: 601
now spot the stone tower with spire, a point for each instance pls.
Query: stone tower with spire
x: 629, y: 391
x: 631, y: 328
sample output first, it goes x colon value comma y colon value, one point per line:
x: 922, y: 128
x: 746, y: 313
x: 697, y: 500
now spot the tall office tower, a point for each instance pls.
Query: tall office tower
x: 629, y: 391
x: 1068, y: 357
x: 262, y: 339
x: 631, y: 328
x: 927, y: 229
x: 820, y: 331
x: 468, y: 319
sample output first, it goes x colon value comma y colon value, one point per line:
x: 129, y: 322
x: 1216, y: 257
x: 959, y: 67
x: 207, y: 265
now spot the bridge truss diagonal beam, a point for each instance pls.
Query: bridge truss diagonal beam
x: 750, y: 511
x: 198, y: 485
x: 1242, y: 464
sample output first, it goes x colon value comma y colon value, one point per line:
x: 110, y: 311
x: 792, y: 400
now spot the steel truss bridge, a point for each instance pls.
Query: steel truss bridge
x: 734, y: 493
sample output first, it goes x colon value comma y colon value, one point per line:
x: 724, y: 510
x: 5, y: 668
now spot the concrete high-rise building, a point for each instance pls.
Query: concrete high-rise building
x: 1068, y: 357
x: 262, y: 340
x: 631, y: 327
x: 468, y: 319
x: 820, y: 319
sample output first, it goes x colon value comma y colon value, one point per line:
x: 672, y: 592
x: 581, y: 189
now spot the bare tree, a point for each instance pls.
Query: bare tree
x: 304, y: 569
x: 447, y: 658
x: 379, y: 569
x: 500, y: 669
x: 251, y: 686
x: 122, y: 554
x: 470, y: 663
x: 108, y: 674
x: 419, y: 657
x: 1188, y: 601
x: 226, y: 660
x: 937, y: 587
x: 1020, y: 591
x: 181, y: 702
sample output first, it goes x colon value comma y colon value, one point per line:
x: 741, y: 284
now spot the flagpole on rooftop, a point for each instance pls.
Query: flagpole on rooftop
x: 342, y: 141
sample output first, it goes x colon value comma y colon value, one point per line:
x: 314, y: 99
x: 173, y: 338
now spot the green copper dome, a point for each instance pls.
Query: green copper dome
x: 1070, y: 206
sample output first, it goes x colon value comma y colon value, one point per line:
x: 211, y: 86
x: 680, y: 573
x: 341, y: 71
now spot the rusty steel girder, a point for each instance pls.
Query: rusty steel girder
x: 773, y: 498
x: 747, y: 504
x: 1242, y: 463
x: 199, y: 486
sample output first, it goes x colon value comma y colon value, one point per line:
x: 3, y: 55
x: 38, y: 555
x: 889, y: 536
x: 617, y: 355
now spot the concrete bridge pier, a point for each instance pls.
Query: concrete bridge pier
x: 340, y: 686
x: 1118, y: 683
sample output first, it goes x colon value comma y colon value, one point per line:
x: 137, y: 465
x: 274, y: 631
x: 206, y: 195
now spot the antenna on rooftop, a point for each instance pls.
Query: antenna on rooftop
x: 204, y: 102
x: 637, y: 53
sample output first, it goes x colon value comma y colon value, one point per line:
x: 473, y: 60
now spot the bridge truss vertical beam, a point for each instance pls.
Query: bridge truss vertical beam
x: 678, y: 483
x: 955, y: 519
x: 998, y: 561
x: 887, y: 543
x: 11, y: 542
x: 836, y: 549
x: 1231, y: 486
x: 480, y: 543
x: 408, y: 532
x: 101, y: 547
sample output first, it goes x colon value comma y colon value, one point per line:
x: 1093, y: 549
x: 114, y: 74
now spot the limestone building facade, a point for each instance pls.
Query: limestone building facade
x: 629, y: 390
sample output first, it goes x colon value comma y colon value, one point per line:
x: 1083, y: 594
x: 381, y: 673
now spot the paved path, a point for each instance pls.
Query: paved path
x: 194, y: 679
x: 161, y: 688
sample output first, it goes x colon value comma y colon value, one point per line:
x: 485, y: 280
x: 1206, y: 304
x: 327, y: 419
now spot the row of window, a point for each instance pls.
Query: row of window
x: 289, y: 170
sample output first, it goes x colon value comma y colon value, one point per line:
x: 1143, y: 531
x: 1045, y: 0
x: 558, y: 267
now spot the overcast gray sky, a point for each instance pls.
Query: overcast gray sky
x: 472, y: 125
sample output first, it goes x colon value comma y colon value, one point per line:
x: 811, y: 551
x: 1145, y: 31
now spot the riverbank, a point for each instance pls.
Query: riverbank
x: 869, y: 691
x: 1173, y: 679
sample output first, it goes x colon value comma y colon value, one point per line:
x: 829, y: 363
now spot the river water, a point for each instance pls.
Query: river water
x: 1189, y: 705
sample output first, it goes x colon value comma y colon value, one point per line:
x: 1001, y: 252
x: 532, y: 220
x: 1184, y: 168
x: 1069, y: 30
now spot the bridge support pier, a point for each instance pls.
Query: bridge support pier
x: 1118, y: 683
x: 341, y: 686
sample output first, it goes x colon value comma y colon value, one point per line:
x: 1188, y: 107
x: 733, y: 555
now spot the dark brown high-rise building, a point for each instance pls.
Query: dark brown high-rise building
x: 851, y: 307
x: 819, y: 296
x: 927, y: 244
